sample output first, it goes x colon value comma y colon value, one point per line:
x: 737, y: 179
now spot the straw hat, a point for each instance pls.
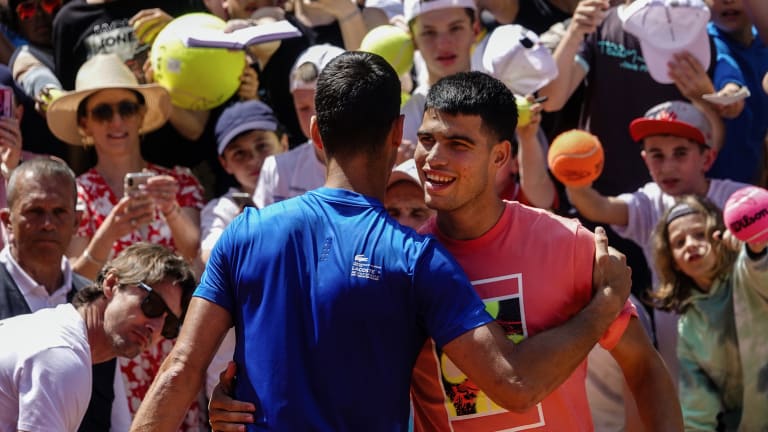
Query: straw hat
x: 105, y: 71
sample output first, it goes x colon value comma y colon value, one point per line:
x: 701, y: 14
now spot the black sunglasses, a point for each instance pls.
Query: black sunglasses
x: 154, y: 306
x: 104, y: 112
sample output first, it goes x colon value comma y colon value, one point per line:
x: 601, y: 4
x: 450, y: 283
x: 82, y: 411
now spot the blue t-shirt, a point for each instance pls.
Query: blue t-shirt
x: 332, y: 301
x: 742, y: 154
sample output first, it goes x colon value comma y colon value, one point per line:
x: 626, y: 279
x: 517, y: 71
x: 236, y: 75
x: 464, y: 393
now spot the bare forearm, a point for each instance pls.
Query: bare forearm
x: 569, y: 73
x: 353, y: 29
x: 190, y: 124
x: 172, y: 391
x: 534, y: 178
x: 655, y: 395
x: 185, y: 230
x: 598, y: 208
x: 565, y: 347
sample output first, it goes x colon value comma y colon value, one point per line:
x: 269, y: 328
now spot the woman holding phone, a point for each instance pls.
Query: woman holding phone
x: 110, y: 110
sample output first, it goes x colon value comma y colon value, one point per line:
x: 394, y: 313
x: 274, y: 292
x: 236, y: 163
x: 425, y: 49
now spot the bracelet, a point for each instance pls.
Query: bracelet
x: 349, y: 16
x: 175, y: 209
x: 91, y: 259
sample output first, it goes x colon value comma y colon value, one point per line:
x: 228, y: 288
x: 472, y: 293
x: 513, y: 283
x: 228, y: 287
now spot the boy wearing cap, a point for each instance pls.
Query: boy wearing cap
x: 302, y: 169
x: 246, y: 133
x: 677, y: 150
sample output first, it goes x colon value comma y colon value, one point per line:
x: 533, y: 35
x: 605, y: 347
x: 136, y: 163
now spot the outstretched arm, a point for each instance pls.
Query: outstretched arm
x: 597, y: 207
x: 586, y: 18
x: 515, y: 376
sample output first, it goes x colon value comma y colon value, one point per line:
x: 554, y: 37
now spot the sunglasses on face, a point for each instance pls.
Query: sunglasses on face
x: 27, y: 10
x: 154, y: 306
x: 104, y: 112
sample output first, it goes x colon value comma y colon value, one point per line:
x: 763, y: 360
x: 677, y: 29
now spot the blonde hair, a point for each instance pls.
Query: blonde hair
x: 675, y: 287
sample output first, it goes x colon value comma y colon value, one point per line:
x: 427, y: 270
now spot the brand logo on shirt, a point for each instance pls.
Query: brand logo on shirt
x: 362, y: 269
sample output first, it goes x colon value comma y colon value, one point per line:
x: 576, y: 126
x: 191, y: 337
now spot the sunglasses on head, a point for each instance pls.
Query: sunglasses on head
x: 104, y: 112
x: 27, y: 10
x: 154, y: 306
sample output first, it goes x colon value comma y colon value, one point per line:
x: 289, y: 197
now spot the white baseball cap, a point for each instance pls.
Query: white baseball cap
x: 665, y: 28
x: 414, y: 8
x: 318, y: 55
x: 405, y: 171
x: 513, y: 55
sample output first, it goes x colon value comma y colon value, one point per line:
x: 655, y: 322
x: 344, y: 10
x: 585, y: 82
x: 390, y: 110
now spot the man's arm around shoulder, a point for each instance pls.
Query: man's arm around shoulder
x: 515, y: 376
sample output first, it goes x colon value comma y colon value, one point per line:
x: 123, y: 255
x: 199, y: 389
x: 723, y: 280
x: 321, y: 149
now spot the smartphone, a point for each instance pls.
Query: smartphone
x: 6, y: 101
x: 133, y: 180
x: 242, y: 199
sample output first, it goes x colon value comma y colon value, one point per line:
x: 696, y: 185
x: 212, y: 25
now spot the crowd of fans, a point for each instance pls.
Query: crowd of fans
x: 102, y: 171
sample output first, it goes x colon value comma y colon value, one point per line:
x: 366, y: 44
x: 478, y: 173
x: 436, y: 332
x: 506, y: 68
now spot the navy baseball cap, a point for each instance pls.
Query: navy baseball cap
x: 243, y: 117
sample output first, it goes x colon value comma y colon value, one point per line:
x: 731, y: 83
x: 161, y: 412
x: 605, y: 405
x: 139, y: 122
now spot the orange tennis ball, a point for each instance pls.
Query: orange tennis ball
x: 576, y: 158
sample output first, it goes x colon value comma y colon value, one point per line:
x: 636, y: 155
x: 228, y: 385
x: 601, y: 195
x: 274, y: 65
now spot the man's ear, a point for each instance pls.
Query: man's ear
x: 644, y: 155
x: 109, y: 285
x: 5, y: 218
x: 710, y: 155
x: 500, y: 153
x: 314, y: 131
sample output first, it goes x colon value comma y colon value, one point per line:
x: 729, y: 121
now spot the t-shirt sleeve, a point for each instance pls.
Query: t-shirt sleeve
x: 448, y: 304
x: 54, y: 390
x: 642, y: 216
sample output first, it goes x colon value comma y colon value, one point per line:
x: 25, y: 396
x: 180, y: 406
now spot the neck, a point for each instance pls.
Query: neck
x: 702, y: 188
x: 472, y: 220
x: 41, y: 269
x: 743, y: 36
x: 114, y: 168
x: 704, y: 283
x: 360, y: 173
x: 93, y: 315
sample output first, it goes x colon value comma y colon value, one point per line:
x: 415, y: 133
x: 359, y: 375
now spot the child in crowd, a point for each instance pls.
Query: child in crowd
x: 404, y: 199
x: 721, y: 294
x: 677, y: 150
x: 246, y: 133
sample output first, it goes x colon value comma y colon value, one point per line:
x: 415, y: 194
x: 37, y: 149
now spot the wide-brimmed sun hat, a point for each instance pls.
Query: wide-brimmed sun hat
x: 100, y: 72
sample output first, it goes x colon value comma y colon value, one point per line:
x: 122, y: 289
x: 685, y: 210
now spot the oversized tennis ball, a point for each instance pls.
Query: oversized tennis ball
x: 392, y: 43
x: 746, y: 214
x: 196, y: 78
x: 523, y: 111
x: 576, y: 158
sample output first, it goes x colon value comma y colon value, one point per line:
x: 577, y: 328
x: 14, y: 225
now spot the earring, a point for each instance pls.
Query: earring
x: 87, y: 140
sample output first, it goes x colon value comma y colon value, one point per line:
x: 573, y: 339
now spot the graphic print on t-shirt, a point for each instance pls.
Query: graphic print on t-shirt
x: 503, y: 298
x: 117, y: 37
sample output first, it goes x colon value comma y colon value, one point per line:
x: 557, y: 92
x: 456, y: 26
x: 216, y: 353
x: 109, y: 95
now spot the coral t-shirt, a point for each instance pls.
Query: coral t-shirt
x: 533, y: 270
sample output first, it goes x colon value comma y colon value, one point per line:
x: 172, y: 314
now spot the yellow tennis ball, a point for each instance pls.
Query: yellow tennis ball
x: 392, y: 43
x: 523, y: 111
x: 196, y: 78
x: 576, y: 158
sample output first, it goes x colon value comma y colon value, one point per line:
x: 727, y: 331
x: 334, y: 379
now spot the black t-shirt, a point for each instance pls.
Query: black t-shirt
x: 539, y: 15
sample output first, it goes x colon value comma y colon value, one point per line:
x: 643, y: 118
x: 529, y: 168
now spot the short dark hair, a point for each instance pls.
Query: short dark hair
x: 143, y: 262
x: 357, y: 101
x: 475, y: 93
x: 42, y: 168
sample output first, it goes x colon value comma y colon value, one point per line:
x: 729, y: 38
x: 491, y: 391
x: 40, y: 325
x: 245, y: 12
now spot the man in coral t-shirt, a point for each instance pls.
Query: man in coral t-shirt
x: 533, y: 269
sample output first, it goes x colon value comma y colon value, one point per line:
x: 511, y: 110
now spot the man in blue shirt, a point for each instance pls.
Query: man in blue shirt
x: 332, y: 300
